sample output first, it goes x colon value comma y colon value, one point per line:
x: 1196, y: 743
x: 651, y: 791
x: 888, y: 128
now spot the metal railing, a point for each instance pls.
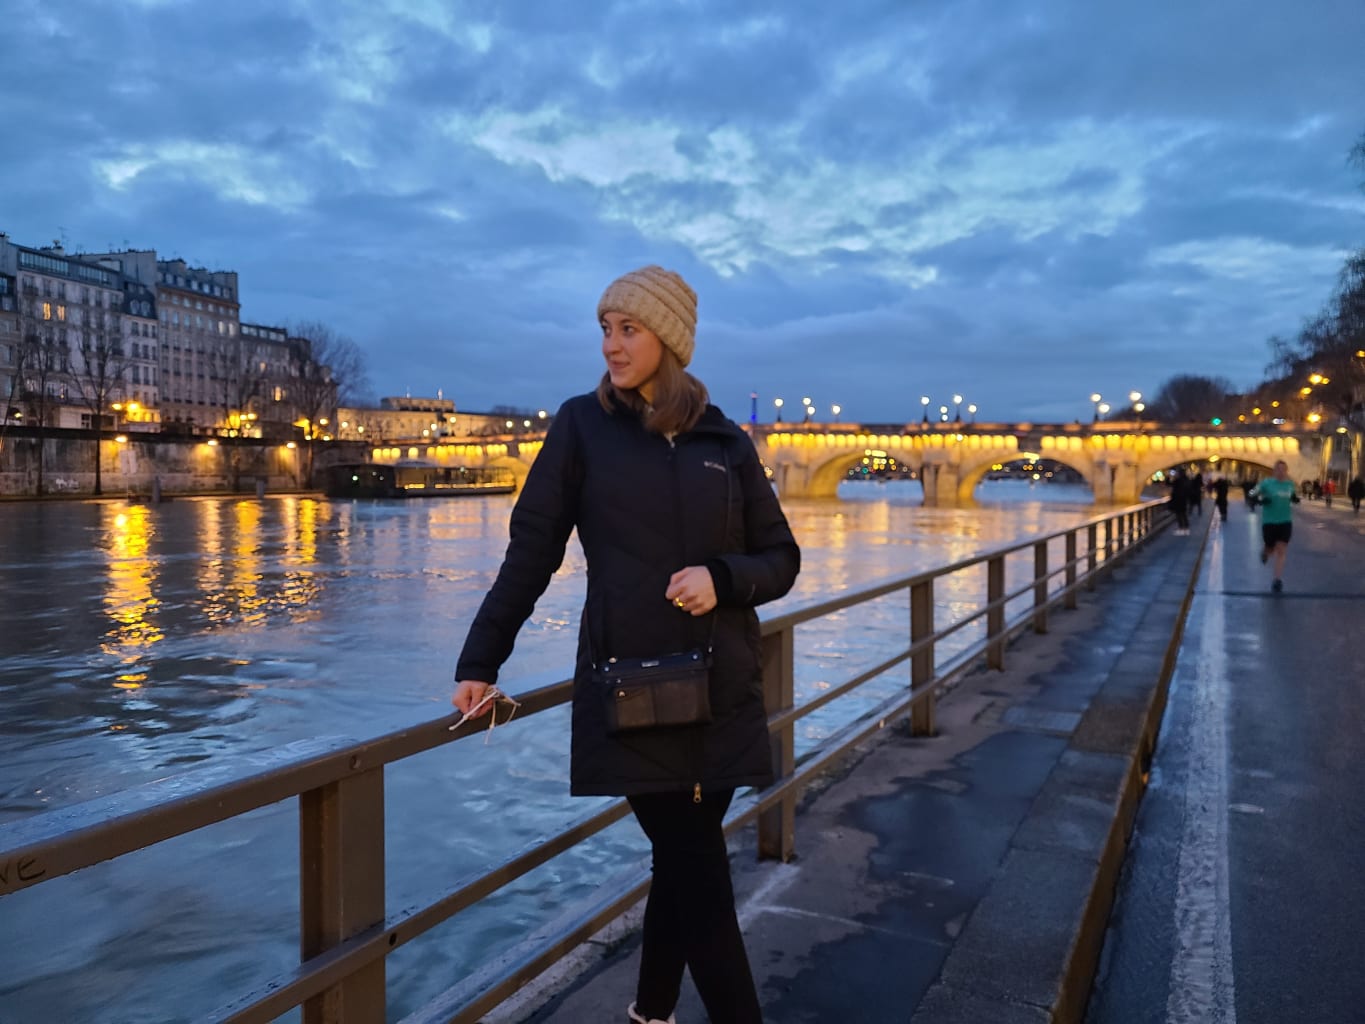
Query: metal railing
x: 346, y: 932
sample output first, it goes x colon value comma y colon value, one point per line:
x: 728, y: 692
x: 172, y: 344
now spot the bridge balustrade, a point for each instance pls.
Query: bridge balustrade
x: 346, y: 931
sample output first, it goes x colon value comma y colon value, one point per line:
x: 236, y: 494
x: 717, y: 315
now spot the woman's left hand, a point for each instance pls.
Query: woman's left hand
x: 692, y: 590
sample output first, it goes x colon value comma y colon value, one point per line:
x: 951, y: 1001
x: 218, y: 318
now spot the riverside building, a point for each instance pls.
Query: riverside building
x: 68, y: 363
x: 9, y: 350
x: 197, y: 311
x: 410, y: 419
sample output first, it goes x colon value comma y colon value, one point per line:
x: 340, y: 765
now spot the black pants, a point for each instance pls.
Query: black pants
x: 690, y: 917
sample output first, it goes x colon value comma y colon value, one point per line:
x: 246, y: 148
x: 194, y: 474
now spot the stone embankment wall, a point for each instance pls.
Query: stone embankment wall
x: 179, y: 464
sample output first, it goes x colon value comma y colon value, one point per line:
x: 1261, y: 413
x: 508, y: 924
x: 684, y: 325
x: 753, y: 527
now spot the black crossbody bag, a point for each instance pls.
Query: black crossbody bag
x: 657, y: 693
x: 666, y: 691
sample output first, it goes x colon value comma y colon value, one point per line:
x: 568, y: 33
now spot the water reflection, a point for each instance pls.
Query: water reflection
x: 129, y: 601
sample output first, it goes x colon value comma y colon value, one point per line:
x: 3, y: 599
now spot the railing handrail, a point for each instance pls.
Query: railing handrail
x: 891, y: 584
x: 52, y: 843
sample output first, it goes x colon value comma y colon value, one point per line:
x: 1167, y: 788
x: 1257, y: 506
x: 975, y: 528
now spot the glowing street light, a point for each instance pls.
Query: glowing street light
x: 943, y: 414
x: 957, y: 405
x: 1095, y: 398
x: 972, y: 410
x: 836, y: 410
x: 924, y: 401
x: 777, y: 402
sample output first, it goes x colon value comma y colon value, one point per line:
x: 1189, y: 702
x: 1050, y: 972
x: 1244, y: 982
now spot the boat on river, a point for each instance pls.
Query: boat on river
x: 414, y: 479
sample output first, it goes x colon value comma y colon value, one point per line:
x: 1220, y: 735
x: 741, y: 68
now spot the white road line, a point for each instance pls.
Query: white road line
x: 1201, y: 985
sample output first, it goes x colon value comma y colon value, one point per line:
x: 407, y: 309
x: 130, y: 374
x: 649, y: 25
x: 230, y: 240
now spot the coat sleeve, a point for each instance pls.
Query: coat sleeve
x: 542, y: 520
x: 771, y: 559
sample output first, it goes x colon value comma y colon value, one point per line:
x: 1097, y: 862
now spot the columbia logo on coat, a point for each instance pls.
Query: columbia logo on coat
x: 713, y: 465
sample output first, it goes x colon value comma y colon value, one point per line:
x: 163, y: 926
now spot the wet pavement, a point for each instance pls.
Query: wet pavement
x: 1241, y: 898
x: 965, y: 877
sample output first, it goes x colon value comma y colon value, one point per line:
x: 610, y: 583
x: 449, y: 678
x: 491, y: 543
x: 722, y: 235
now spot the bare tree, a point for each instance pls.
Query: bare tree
x: 328, y: 369
x: 1188, y: 398
x: 240, y: 384
x: 42, y: 363
x: 101, y: 377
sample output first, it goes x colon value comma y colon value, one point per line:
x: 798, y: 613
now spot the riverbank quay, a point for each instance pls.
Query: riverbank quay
x: 62, y: 462
x: 148, y: 499
x: 960, y: 878
x: 1240, y: 900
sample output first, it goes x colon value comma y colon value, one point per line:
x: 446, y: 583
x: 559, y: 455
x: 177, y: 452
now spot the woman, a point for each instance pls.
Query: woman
x: 683, y: 537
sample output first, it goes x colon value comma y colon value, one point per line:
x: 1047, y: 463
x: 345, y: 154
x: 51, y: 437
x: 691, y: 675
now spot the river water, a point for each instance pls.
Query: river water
x: 139, y: 641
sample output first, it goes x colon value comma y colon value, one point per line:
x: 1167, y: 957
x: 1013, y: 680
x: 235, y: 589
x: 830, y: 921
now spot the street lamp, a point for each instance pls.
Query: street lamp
x: 778, y: 403
x: 836, y: 410
x: 924, y: 401
x: 943, y: 414
x: 1102, y: 409
x: 1095, y: 398
x: 809, y: 409
x: 971, y: 409
x: 957, y: 405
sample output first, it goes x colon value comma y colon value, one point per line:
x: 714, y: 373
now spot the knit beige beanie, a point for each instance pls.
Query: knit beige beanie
x: 662, y: 301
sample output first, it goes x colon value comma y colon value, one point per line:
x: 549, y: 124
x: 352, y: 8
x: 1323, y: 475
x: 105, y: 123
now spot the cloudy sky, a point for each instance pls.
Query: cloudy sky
x: 1020, y: 202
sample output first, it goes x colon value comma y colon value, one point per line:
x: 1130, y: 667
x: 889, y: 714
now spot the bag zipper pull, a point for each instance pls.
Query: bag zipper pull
x: 696, y: 793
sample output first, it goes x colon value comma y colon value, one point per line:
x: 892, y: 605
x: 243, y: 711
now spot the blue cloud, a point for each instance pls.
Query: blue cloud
x: 874, y: 199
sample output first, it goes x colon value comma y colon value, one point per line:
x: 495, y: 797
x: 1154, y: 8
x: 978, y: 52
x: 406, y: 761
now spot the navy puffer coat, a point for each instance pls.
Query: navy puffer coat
x: 646, y: 507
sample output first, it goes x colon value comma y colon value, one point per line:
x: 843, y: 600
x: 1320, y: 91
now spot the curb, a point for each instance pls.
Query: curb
x: 1074, y: 840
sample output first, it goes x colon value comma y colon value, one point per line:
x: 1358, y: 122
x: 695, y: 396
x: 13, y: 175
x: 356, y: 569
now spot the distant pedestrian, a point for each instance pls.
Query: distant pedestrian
x: 1355, y: 490
x: 1196, y: 493
x: 1317, y: 489
x: 1220, y: 497
x: 1276, y: 497
x: 1329, y: 488
x: 1180, y: 502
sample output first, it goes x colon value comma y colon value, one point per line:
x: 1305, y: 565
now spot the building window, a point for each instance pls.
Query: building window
x: 47, y: 311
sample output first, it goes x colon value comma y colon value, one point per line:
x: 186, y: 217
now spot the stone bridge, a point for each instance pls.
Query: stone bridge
x: 1116, y: 459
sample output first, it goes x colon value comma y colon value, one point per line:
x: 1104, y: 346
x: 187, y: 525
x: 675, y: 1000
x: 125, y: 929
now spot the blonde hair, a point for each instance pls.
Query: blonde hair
x: 679, y: 398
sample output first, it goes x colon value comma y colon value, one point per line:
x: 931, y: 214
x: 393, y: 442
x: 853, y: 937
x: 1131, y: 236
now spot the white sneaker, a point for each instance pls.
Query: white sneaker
x: 637, y: 1019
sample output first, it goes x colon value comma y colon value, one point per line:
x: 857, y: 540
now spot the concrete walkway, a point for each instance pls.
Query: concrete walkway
x: 961, y: 878
x: 1241, y: 900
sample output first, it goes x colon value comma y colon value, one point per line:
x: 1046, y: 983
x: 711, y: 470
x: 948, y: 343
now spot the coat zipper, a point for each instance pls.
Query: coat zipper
x: 682, y: 558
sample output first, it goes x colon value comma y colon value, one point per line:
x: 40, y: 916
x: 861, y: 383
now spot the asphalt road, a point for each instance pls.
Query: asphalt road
x: 1243, y: 894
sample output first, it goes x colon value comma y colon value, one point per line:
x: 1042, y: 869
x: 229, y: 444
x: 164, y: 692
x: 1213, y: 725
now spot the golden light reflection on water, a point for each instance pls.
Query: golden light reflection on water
x: 128, y: 599
x: 300, y: 587
x: 253, y: 564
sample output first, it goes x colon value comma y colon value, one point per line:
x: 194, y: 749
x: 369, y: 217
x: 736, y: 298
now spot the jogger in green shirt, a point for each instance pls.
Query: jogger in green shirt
x: 1276, y: 497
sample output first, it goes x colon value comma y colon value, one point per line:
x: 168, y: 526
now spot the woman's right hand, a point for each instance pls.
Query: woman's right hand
x: 468, y: 694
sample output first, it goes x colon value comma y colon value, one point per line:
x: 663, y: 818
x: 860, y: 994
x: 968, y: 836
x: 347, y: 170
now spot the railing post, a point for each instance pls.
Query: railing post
x: 1040, y: 586
x: 922, y: 664
x: 341, y: 889
x: 1091, y: 555
x: 1070, y: 600
x: 995, y: 617
x: 777, y: 825
x: 1108, y: 545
